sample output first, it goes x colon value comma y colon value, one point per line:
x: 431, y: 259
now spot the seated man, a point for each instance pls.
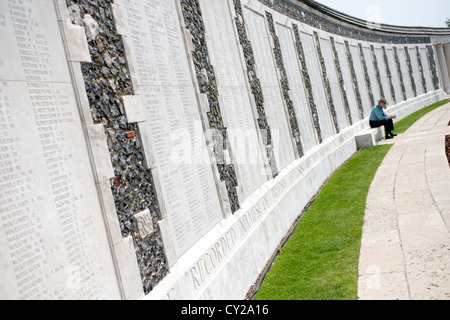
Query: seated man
x: 378, y: 118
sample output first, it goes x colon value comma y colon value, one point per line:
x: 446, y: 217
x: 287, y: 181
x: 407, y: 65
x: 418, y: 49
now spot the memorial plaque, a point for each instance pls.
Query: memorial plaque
x: 144, y: 223
x: 395, y: 74
x: 236, y: 103
x: 158, y: 49
x: 426, y: 69
x: 275, y: 109
x: 297, y: 87
x: 348, y: 81
x: 405, y: 73
x: 416, y: 71
x: 320, y: 98
x: 53, y: 244
x: 31, y: 55
x: 383, y: 75
x: 327, y: 52
x: 372, y: 73
x: 359, y: 70
x: 182, y: 163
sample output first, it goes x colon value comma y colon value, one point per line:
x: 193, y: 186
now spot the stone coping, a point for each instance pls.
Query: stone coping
x: 374, y: 27
x: 333, y: 21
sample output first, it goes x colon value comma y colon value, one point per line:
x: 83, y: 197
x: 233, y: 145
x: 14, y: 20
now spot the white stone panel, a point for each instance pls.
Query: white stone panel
x: 416, y: 71
x: 372, y: 74
x: 156, y: 43
x: 338, y: 102
x: 395, y: 75
x: 29, y: 49
x: 348, y: 82
x: 235, y: 98
x: 178, y: 147
x: 405, y: 73
x: 383, y: 75
x: 267, y: 73
x: 426, y: 69
x: 54, y: 243
x: 297, y: 87
x: 362, y: 85
x: 320, y: 99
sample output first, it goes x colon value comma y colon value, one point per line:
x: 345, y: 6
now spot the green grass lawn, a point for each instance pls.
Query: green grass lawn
x: 402, y: 125
x: 320, y: 260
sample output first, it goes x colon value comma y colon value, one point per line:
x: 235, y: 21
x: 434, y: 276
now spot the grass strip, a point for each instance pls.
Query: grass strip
x: 320, y: 260
x: 403, y: 125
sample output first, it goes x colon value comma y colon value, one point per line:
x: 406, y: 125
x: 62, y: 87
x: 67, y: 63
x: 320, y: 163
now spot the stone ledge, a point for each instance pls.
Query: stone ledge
x: 369, y: 137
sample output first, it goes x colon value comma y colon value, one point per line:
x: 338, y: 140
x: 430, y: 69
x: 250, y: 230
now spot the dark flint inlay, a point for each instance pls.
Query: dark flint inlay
x: 433, y: 67
x: 295, y: 131
x: 206, y: 78
x: 366, y: 74
x: 307, y: 81
x: 411, y: 71
x: 377, y: 70
x: 400, y: 74
x: 354, y: 80
x: 255, y: 85
x: 419, y: 60
x: 106, y: 79
x: 326, y: 82
x: 389, y: 75
x: 341, y: 81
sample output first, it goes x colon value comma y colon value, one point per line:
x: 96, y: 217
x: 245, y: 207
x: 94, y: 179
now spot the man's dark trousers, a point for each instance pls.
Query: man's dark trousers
x: 388, y: 125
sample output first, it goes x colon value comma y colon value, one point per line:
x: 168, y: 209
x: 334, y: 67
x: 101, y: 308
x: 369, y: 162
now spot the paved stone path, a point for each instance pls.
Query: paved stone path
x: 405, y: 250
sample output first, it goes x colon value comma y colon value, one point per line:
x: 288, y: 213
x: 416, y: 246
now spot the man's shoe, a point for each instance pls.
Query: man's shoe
x: 389, y: 137
x: 391, y: 134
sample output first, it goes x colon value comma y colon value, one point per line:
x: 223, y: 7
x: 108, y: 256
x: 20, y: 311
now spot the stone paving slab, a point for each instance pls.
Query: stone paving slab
x: 405, y: 248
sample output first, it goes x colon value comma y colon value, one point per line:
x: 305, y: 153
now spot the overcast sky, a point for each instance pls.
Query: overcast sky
x: 412, y: 13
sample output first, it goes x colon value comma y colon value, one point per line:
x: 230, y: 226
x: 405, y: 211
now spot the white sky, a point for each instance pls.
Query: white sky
x: 412, y: 13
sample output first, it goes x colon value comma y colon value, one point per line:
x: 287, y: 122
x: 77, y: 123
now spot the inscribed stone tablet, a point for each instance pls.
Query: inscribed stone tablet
x: 158, y: 51
x: 416, y: 72
x: 405, y: 73
x: 320, y: 99
x: 297, y: 88
x: 348, y: 81
x: 359, y: 70
x: 53, y: 243
x: 395, y: 75
x: 236, y: 103
x: 187, y: 184
x: 372, y: 74
x: 426, y: 69
x: 383, y: 75
x: 327, y: 53
x: 30, y: 50
x: 274, y: 107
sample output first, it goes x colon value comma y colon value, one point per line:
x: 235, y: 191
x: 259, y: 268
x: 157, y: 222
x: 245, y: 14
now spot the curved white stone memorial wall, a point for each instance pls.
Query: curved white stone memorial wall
x: 161, y: 149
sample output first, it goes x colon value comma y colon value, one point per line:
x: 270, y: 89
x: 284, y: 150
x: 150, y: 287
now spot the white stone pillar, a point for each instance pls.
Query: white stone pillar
x: 443, y: 69
x: 446, y: 47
